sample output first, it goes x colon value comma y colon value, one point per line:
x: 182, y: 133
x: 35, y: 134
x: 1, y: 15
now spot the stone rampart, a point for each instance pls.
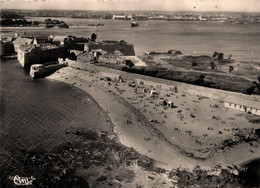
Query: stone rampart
x: 158, y: 82
x: 26, y: 58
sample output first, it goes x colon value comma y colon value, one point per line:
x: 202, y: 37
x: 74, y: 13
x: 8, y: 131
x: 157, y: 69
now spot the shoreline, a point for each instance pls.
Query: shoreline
x: 91, y: 144
x: 124, y: 134
x: 174, y: 158
x: 58, y: 134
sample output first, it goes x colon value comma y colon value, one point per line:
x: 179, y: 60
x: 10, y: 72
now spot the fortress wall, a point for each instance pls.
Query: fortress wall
x: 112, y: 76
x: 125, y: 49
x: 199, y: 90
x: 84, y: 57
x: 39, y: 57
x: 20, y: 57
x: 88, y: 66
x: 31, y: 58
x: 158, y: 82
x: 77, y: 46
x: 6, y: 48
x: 51, y: 55
x: 154, y: 84
x: 111, y: 59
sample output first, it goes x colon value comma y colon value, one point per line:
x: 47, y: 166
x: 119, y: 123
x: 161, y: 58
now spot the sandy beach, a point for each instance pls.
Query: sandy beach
x: 192, y: 133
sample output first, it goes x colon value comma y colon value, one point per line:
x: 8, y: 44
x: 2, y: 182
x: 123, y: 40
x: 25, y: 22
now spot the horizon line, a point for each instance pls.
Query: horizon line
x: 132, y: 10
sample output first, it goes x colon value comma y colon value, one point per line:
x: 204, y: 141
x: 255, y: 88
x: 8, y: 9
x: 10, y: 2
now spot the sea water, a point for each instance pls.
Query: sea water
x: 191, y: 37
x: 36, y: 114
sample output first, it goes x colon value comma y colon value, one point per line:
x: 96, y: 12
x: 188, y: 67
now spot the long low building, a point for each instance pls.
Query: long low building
x: 243, y: 105
x: 122, y: 17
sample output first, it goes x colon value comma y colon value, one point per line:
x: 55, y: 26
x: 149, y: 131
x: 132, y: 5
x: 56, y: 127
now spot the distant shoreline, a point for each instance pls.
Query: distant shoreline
x: 162, y: 35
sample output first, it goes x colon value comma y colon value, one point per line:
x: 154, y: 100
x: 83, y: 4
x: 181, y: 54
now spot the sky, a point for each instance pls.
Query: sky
x: 161, y: 5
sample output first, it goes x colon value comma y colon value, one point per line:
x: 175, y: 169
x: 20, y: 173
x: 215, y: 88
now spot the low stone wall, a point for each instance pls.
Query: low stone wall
x: 154, y: 84
x: 84, y: 57
x: 125, y: 49
x: 198, y: 90
x: 182, y: 87
x: 110, y: 59
x: 112, y: 76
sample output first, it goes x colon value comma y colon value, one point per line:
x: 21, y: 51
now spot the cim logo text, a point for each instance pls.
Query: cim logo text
x: 21, y: 181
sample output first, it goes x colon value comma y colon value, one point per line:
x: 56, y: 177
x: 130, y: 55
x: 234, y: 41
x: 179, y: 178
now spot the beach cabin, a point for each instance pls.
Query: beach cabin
x: 163, y: 102
x: 243, y: 105
x: 153, y: 93
x: 170, y: 104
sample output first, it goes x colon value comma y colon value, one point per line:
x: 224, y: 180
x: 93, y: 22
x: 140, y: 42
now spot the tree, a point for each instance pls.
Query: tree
x: 213, y: 65
x: 200, y: 80
x: 255, y: 85
x: 122, y: 42
x: 202, y: 77
x: 250, y: 90
x: 194, y: 63
x: 231, y: 68
x: 93, y: 37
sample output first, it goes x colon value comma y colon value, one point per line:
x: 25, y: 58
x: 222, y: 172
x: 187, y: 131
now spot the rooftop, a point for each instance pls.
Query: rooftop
x: 125, y: 49
x: 30, y: 47
x: 76, y: 39
x: 21, y: 41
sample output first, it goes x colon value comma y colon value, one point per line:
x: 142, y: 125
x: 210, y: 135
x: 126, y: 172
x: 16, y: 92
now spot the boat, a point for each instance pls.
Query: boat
x: 134, y: 24
x: 63, y: 25
x: 99, y: 24
x: 49, y: 25
x: 41, y: 70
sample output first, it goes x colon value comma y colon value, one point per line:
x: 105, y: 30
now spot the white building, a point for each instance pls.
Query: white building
x: 201, y: 18
x: 243, y: 105
x: 122, y: 17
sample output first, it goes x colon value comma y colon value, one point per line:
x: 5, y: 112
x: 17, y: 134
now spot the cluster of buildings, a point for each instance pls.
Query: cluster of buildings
x: 33, y: 50
x: 192, y: 16
x: 111, y: 52
x: 46, y: 49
